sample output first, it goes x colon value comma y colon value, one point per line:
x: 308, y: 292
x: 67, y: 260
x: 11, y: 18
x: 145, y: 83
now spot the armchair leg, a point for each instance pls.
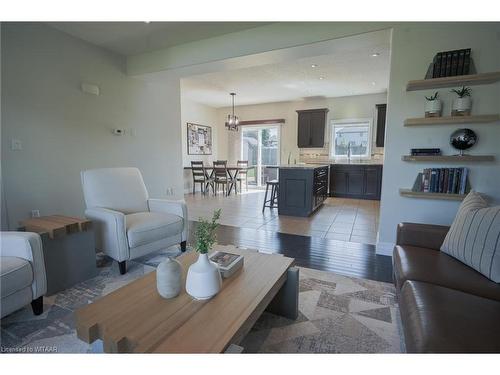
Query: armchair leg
x: 123, y: 267
x: 183, y: 246
x: 37, y: 305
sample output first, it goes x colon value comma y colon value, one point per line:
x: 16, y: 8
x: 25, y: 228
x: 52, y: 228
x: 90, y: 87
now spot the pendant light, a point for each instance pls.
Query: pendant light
x: 232, y: 119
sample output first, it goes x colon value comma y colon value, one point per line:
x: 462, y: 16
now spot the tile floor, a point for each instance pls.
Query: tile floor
x: 352, y: 220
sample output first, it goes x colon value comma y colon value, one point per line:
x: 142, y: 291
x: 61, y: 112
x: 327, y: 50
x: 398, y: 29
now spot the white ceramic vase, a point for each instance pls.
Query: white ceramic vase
x: 203, y: 279
x: 433, y: 107
x: 169, y: 278
x: 462, y: 104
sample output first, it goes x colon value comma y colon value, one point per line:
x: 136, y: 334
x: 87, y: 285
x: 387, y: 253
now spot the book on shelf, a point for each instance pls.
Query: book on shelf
x: 467, y: 62
x: 437, y: 66
x: 452, y: 63
x: 425, y: 151
x: 461, y: 58
x: 442, y: 180
x: 449, y: 56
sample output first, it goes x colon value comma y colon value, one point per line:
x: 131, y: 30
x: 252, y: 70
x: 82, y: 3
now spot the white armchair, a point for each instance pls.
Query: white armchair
x: 127, y: 223
x: 22, y: 275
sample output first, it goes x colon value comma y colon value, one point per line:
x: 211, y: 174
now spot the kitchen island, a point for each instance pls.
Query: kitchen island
x: 302, y: 188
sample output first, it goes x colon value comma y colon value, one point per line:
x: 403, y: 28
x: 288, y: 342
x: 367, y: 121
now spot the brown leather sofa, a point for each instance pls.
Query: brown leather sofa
x: 446, y: 306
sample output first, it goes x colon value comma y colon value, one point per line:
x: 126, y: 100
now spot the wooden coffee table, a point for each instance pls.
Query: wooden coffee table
x: 135, y: 318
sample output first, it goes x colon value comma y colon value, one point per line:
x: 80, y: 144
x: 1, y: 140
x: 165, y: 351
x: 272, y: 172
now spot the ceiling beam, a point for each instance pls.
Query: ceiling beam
x: 259, y: 40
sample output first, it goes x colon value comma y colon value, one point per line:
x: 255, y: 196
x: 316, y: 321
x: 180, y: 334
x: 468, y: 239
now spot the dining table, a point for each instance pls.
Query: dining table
x: 232, y: 170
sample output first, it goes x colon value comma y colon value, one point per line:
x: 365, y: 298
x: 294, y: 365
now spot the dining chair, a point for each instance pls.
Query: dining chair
x: 221, y: 176
x: 201, y: 176
x: 242, y: 173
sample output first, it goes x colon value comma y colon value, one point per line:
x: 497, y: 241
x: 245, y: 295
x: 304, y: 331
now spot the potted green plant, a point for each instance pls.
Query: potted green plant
x: 462, y: 104
x: 433, y: 105
x: 203, y: 279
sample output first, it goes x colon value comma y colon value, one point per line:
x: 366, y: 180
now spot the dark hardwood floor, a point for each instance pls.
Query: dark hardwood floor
x: 345, y: 258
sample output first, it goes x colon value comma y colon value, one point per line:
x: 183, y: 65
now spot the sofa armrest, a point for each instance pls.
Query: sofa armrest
x: 421, y: 235
x: 110, y: 231
x: 27, y: 245
x: 175, y: 207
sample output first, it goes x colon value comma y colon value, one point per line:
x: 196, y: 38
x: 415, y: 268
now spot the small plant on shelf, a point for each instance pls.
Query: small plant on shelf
x: 433, y: 106
x: 462, y: 93
x: 432, y: 97
x: 463, y: 103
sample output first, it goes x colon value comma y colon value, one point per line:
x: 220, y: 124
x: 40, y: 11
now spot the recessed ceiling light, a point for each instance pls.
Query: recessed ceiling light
x: 375, y: 54
x: 321, y: 78
x: 314, y: 65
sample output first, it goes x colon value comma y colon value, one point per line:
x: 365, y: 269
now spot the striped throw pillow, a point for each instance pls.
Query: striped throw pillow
x: 474, y: 236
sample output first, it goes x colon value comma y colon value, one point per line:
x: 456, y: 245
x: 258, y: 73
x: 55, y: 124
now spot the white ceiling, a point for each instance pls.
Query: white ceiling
x: 131, y: 38
x: 347, y: 68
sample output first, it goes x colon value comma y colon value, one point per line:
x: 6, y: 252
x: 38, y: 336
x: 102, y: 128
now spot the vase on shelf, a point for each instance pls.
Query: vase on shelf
x: 433, y: 108
x: 461, y: 106
x: 203, y: 279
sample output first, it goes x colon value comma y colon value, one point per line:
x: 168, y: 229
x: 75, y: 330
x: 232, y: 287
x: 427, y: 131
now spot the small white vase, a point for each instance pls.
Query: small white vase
x: 462, y: 104
x: 203, y: 279
x: 169, y: 278
x: 433, y: 107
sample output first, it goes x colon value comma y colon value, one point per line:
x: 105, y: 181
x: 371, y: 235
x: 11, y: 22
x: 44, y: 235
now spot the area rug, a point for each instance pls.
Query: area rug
x: 337, y: 314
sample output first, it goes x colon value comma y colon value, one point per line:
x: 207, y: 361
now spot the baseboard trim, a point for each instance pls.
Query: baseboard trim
x: 384, y: 248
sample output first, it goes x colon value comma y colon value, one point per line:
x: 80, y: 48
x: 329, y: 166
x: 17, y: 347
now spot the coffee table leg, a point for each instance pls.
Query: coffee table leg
x: 286, y: 302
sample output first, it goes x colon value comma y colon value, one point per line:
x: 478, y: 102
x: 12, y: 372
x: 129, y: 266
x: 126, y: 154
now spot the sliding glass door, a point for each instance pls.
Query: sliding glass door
x: 260, y: 145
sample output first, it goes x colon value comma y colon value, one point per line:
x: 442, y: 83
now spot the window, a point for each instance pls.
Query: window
x: 353, y: 134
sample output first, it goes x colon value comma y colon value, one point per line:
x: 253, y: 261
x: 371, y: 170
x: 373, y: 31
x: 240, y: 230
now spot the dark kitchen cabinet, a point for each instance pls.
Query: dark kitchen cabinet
x: 373, y: 178
x: 304, y: 130
x: 311, y: 128
x: 355, y: 181
x: 338, y: 188
x: 381, y: 115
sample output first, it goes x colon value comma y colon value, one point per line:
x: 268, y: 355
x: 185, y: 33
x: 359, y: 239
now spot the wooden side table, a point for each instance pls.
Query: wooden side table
x: 68, y: 249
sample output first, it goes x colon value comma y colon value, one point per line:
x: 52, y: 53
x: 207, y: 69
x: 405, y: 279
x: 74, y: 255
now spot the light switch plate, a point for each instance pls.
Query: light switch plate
x: 16, y: 145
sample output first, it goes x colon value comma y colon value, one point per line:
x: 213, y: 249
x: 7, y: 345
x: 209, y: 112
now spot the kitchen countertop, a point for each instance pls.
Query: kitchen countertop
x: 352, y: 162
x: 301, y: 166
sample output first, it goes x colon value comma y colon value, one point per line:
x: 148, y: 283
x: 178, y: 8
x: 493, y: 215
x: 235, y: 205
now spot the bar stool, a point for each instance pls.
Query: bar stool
x: 272, y: 202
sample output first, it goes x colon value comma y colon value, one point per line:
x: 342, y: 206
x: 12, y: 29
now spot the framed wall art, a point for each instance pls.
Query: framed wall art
x: 199, y: 139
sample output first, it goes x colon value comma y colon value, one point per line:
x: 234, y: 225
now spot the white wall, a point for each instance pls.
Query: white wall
x: 198, y: 114
x: 3, y: 207
x: 64, y: 131
x: 413, y: 48
x: 358, y: 106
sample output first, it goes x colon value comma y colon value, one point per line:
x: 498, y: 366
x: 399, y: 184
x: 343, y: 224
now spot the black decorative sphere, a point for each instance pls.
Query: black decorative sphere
x: 462, y: 139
